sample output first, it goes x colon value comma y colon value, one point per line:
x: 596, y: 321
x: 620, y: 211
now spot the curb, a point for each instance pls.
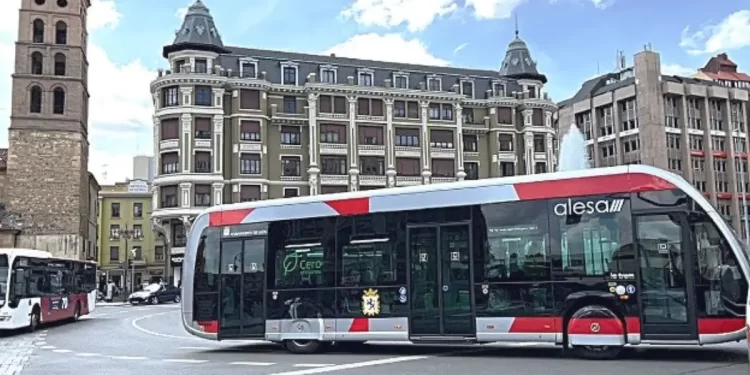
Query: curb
x: 107, y: 304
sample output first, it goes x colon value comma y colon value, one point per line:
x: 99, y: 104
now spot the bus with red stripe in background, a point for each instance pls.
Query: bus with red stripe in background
x: 37, y: 288
x: 592, y: 260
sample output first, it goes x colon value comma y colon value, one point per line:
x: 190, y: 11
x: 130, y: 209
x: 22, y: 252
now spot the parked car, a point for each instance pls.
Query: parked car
x: 155, y: 294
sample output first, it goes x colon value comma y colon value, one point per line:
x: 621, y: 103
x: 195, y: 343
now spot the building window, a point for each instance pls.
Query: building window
x: 539, y: 144
x: 401, y: 81
x: 114, y: 232
x: 61, y: 33
x: 434, y: 111
x: 202, y: 162
x: 38, y: 31
x: 249, y: 99
x: 369, y: 107
x: 248, y: 69
x: 170, y: 96
x: 399, y: 109
x: 498, y: 90
x: 158, y: 253
x: 201, y: 66
x: 178, y: 235
x: 37, y: 63
x: 290, y: 135
x: 59, y: 64
x: 202, y: 195
x: 330, y: 133
x: 365, y: 79
x: 114, y: 254
x: 434, y: 84
x: 327, y: 76
x: 289, y: 75
x: 371, y: 135
x: 170, y: 129
x: 291, y: 192
x: 507, y: 168
x: 443, y: 168
x: 249, y: 193
x: 168, y: 196
x: 290, y: 104
x: 441, y: 138
x: 540, y: 167
x: 250, y: 164
x: 250, y: 131
x: 170, y: 163
x: 35, y: 100
x: 332, y: 104
x: 470, y: 143
x: 408, y: 167
x: 372, y: 165
x: 467, y: 88
x: 446, y: 112
x: 115, y: 208
x: 203, y: 96
x: 138, y: 210
x: 407, y: 137
x: 472, y: 170
x: 137, y: 231
x: 333, y: 165
x: 468, y: 116
x: 291, y: 166
x: 58, y: 101
x: 202, y: 128
x: 505, y: 142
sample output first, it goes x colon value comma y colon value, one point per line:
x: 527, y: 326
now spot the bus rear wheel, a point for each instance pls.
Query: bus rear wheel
x: 303, y: 346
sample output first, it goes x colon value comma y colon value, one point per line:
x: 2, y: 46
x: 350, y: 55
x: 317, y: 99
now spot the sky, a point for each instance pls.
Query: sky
x: 571, y: 40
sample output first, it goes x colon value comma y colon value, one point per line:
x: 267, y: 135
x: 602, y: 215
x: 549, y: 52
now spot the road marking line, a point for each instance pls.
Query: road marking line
x: 252, y: 363
x: 314, y: 365
x: 350, y: 366
x: 62, y: 351
x: 199, y: 347
x: 185, y: 360
x: 42, y: 343
x: 48, y: 347
x: 126, y: 358
x: 135, y: 325
x: 88, y: 354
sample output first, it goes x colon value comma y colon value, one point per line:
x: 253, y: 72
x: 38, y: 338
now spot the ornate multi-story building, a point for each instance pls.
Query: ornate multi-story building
x: 237, y: 124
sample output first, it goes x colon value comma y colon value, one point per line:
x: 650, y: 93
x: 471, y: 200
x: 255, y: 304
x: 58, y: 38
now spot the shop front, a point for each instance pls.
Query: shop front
x: 176, y: 262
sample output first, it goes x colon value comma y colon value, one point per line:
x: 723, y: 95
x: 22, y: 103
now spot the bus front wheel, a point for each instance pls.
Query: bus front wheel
x: 600, y: 343
x: 34, y: 319
x: 303, y: 346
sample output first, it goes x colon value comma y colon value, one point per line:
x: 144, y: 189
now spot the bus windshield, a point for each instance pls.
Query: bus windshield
x: 3, y: 278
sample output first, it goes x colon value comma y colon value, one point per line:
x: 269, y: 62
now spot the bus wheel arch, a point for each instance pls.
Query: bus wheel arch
x: 35, y: 318
x: 304, y: 346
x: 77, y: 311
x: 599, y: 321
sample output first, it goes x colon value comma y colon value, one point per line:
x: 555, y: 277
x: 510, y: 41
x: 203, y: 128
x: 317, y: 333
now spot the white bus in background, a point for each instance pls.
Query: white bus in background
x: 37, y: 288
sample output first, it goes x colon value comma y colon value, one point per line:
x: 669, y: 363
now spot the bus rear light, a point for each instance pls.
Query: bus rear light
x: 211, y: 326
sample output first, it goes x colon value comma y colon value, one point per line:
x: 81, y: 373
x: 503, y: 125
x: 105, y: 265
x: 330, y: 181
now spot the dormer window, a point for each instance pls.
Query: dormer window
x: 201, y: 66
x: 328, y: 74
x: 248, y: 68
x: 498, y: 90
x: 434, y: 84
x: 365, y: 77
x: 400, y: 80
x: 289, y: 73
x: 532, y: 91
x: 467, y: 88
x: 179, y: 65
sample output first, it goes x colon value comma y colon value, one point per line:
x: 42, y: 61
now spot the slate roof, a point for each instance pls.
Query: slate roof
x: 518, y: 62
x: 198, y: 32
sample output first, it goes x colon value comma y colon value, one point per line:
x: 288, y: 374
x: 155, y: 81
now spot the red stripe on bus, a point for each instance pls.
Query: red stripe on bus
x: 360, y: 325
x: 595, y: 326
x: 354, y: 206
x: 535, y: 325
x: 622, y: 183
x: 211, y: 326
x: 633, y: 325
x: 231, y: 217
x: 712, y: 326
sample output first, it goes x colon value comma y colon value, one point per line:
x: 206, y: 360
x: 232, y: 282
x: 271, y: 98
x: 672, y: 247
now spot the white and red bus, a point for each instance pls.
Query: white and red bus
x: 37, y: 288
x: 593, y: 260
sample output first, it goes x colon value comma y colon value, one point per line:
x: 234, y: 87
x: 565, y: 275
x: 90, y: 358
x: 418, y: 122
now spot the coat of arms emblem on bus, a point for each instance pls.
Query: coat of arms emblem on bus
x: 370, y: 302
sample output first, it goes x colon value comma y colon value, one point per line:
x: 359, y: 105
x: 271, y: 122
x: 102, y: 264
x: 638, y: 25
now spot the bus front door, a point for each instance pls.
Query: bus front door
x: 665, y: 280
x: 440, y: 282
x: 241, y: 312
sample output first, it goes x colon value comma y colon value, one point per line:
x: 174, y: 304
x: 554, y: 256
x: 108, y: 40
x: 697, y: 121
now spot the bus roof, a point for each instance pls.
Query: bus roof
x: 595, y: 181
x: 31, y: 253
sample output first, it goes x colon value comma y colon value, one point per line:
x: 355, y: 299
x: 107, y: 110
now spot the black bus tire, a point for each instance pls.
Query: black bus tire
x: 303, y: 346
x: 35, y: 318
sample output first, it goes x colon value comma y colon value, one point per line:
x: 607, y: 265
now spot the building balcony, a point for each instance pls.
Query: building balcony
x: 335, y: 116
x: 169, y: 144
x: 442, y: 180
x: 334, y: 148
x: 370, y: 118
x: 365, y: 180
x: 408, y: 180
x: 507, y: 156
x: 331, y: 179
x: 204, y: 144
x: 540, y: 156
x: 175, y: 212
x: 198, y: 178
x: 371, y: 150
x: 408, y: 152
x: 439, y: 152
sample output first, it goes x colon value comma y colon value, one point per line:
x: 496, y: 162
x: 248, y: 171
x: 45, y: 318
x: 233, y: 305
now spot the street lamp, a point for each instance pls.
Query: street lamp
x: 128, y: 234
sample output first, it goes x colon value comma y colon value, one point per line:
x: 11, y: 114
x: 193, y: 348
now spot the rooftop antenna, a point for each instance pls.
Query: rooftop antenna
x: 515, y: 14
x: 104, y: 174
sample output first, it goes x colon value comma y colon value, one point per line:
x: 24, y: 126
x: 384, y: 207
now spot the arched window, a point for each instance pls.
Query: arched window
x: 38, y: 31
x: 35, y: 100
x: 58, y: 101
x: 61, y: 33
x: 37, y: 63
x: 59, y: 64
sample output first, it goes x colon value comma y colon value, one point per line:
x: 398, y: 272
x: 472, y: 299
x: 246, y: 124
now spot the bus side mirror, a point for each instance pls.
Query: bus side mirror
x: 19, y: 286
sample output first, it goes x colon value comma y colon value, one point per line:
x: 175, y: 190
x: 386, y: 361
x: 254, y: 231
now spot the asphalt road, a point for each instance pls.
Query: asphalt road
x: 150, y: 339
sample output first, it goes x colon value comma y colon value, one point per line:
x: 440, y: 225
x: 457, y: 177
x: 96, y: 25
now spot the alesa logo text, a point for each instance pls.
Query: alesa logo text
x: 589, y: 207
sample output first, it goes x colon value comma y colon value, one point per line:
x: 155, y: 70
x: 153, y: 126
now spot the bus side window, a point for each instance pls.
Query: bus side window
x: 720, y: 286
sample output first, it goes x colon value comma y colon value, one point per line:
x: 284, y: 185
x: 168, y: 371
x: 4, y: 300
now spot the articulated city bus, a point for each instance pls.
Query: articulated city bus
x: 37, y: 288
x: 593, y: 260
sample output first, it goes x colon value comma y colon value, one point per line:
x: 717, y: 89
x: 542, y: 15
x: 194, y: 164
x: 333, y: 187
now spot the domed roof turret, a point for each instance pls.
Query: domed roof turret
x: 518, y: 63
x: 198, y: 32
